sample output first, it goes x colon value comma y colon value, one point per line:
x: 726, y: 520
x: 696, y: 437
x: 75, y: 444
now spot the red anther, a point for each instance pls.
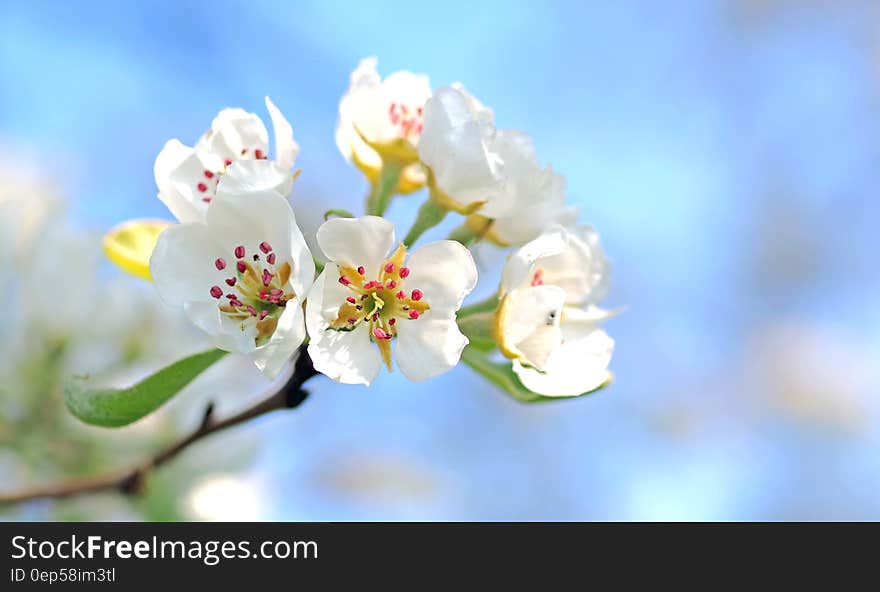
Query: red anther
x: 392, y: 108
x: 263, y: 314
x: 380, y: 333
x: 265, y: 247
x: 344, y: 280
x: 361, y: 270
x: 403, y: 272
x: 208, y: 174
x: 389, y: 268
x: 206, y: 199
x: 419, y: 111
x: 216, y: 291
x: 276, y: 292
x: 369, y: 285
x: 375, y: 316
x: 230, y: 281
x: 413, y: 314
x: 241, y: 266
x: 263, y: 294
x: 538, y: 278
x: 252, y: 310
x: 258, y: 154
x: 351, y: 321
x: 391, y: 285
x: 202, y: 187
x: 227, y: 162
x: 391, y: 321
x: 271, y: 258
x: 239, y: 251
x: 379, y: 286
x: 267, y: 278
x: 351, y: 299
x: 416, y: 295
x: 220, y: 263
x: 400, y: 295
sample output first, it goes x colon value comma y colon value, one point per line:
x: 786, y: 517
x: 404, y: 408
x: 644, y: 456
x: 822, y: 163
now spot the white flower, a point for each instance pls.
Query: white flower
x: 547, y: 318
x: 366, y: 298
x: 383, y: 118
x: 241, y: 275
x: 457, y: 144
x: 532, y: 199
x: 237, y: 147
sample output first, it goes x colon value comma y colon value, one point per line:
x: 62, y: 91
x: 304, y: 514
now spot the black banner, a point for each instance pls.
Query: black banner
x: 123, y: 555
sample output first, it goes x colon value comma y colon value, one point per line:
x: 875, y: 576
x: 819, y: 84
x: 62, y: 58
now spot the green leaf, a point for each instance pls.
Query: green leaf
x: 113, y: 408
x: 503, y: 376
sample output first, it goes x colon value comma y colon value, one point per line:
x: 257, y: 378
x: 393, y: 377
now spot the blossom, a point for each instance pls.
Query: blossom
x: 532, y: 198
x: 366, y: 298
x: 458, y: 146
x: 241, y: 275
x: 547, y: 319
x: 237, y: 147
x: 381, y: 120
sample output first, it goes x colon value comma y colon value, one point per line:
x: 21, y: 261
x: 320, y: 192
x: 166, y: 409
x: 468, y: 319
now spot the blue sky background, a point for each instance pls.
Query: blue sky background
x: 725, y: 150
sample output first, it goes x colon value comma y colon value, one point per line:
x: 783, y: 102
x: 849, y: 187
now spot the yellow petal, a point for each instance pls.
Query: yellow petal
x: 131, y: 244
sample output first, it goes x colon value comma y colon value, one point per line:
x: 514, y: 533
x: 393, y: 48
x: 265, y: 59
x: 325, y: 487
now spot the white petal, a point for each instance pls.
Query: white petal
x: 286, y: 147
x: 580, y: 269
x: 344, y: 356
x: 364, y: 82
x: 518, y: 269
x: 182, y: 264
x: 445, y: 273
x: 428, y: 346
x: 256, y: 175
x: 178, y: 171
x: 236, y: 134
x: 357, y: 241
x: 577, y: 366
x: 529, y: 323
x: 228, y: 335
x: 271, y: 357
x: 454, y: 144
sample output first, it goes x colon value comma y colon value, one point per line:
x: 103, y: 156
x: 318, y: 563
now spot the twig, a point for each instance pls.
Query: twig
x: 132, y: 480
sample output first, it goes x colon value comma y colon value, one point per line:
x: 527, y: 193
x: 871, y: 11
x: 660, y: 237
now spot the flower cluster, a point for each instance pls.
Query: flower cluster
x: 239, y: 265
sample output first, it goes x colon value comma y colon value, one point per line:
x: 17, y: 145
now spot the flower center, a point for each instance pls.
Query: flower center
x: 208, y: 186
x: 257, y: 289
x: 407, y: 119
x: 379, y: 304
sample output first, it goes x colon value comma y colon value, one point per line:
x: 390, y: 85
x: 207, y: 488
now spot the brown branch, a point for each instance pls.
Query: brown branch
x: 132, y: 480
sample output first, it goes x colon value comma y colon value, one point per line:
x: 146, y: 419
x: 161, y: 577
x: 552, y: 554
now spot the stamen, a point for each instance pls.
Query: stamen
x: 400, y: 295
x: 220, y: 263
x: 216, y: 291
x: 267, y: 277
x: 392, y: 321
x: 351, y: 300
x: 202, y: 187
x: 271, y: 258
x: 344, y: 280
x: 241, y: 266
x: 265, y: 247
x: 380, y: 333
x: 208, y: 174
x: 389, y: 268
x: 403, y: 272
x: 239, y: 251
x: 263, y: 314
x: 258, y: 154
x: 391, y: 285
x: 230, y: 281
x: 416, y: 295
x: 413, y: 314
x: 361, y: 270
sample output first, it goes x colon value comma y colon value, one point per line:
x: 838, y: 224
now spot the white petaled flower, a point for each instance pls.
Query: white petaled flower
x: 383, y: 118
x: 547, y: 319
x: 368, y: 297
x: 237, y: 147
x: 241, y: 275
x: 532, y: 199
x: 458, y: 145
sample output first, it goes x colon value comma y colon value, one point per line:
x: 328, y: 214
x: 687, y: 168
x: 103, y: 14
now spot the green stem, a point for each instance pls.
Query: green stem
x: 487, y: 305
x: 430, y: 215
x: 383, y: 190
x: 478, y: 328
x: 463, y: 234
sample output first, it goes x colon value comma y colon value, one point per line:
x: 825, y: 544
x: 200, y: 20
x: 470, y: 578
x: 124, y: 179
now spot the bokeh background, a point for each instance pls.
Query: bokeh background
x: 726, y: 150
